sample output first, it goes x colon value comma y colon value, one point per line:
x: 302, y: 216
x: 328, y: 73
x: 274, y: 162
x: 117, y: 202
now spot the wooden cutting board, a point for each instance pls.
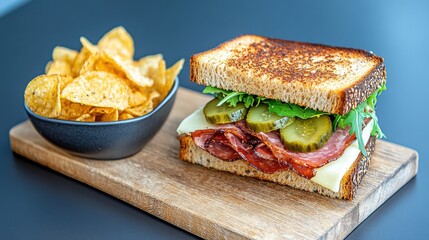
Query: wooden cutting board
x: 214, y: 204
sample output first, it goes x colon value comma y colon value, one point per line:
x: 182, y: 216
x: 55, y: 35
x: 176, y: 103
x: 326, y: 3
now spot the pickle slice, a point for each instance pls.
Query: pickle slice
x: 307, y: 135
x: 223, y: 114
x: 260, y: 119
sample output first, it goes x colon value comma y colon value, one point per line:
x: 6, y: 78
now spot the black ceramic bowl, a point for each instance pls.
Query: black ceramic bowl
x: 104, y: 140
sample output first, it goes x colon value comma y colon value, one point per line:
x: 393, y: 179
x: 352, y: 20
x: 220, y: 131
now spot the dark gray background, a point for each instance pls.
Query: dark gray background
x: 37, y: 203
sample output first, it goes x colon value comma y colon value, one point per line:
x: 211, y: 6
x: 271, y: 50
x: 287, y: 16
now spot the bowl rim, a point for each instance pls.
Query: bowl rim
x: 173, y: 90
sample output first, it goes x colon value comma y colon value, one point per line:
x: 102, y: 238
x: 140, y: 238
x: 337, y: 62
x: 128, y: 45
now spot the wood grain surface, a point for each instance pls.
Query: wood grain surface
x: 213, y: 204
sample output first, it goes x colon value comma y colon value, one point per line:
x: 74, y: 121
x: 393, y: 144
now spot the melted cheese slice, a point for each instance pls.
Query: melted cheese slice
x: 328, y: 176
x: 331, y: 174
x: 195, y: 121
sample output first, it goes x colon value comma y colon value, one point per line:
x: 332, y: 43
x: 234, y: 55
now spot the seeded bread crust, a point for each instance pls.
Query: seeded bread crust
x: 329, y: 79
x: 190, y: 152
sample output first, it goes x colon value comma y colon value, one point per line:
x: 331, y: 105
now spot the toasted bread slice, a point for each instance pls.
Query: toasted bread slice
x: 190, y: 152
x: 329, y: 79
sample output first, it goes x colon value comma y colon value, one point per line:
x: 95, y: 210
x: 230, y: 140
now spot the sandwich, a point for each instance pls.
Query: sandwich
x: 293, y: 113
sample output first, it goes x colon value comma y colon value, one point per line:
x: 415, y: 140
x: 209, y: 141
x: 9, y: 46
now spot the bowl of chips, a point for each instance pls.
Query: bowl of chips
x: 99, y: 103
x: 104, y: 140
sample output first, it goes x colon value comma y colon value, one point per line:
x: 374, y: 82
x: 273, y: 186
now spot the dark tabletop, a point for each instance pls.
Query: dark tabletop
x: 38, y: 203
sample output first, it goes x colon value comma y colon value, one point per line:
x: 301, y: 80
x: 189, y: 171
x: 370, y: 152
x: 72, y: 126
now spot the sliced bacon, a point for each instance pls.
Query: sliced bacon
x: 307, y: 172
x: 335, y: 146
x: 222, y: 151
x: 247, y: 152
x: 201, y: 137
x: 215, y: 144
x: 243, y: 127
x: 303, y: 163
x: 265, y: 151
x: 220, y: 137
x: 231, y: 128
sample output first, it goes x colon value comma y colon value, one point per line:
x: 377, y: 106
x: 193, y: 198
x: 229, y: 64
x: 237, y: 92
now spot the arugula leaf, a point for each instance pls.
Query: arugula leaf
x: 232, y: 98
x: 376, y: 130
x: 292, y: 110
x: 213, y: 90
x: 355, y: 119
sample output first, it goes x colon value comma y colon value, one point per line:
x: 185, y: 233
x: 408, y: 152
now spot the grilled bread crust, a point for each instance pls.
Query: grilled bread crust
x: 190, y: 152
x: 325, y: 78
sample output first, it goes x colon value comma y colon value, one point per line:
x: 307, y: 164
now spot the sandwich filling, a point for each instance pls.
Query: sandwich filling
x: 273, y: 136
x: 265, y: 150
x: 329, y: 175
